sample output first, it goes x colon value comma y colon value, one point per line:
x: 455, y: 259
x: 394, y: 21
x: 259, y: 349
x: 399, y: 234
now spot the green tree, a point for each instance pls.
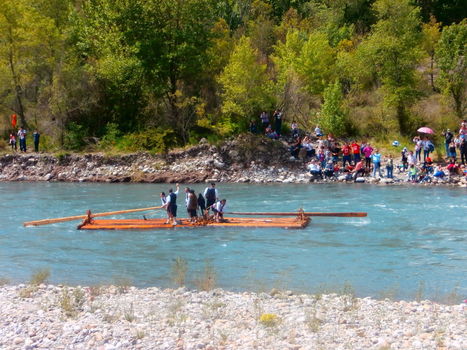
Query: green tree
x: 451, y: 58
x: 316, y: 63
x: 431, y: 34
x: 333, y: 117
x: 392, y: 52
x: 246, y: 89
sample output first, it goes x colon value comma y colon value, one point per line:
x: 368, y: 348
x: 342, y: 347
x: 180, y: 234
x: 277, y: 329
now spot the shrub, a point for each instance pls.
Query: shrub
x: 40, y: 277
x: 158, y: 140
x: 269, y: 320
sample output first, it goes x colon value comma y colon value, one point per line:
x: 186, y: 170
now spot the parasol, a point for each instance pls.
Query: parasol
x: 425, y: 130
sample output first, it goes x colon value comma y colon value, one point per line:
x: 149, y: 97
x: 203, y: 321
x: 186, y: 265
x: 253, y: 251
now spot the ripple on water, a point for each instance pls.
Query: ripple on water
x: 411, y: 234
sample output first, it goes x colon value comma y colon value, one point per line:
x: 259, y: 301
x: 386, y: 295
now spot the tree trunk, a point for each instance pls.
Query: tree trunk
x: 18, y: 90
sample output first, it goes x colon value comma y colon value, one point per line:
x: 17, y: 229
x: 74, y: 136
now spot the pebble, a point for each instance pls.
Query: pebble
x: 225, y: 320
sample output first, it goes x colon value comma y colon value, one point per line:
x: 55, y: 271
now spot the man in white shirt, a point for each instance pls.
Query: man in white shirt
x: 219, y: 208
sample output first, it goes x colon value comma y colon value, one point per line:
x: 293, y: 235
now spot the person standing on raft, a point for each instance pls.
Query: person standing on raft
x: 171, y: 205
x: 211, y: 194
x: 192, y: 205
x: 218, y: 208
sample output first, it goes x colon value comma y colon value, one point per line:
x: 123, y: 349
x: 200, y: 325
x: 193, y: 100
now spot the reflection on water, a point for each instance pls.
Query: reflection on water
x: 412, y: 235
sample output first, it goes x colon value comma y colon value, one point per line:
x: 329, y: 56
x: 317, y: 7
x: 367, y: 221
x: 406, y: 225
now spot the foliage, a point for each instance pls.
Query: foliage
x: 156, y: 140
x: 333, y: 118
x: 154, y: 74
x: 392, y: 52
x: 451, y: 56
x: 246, y: 90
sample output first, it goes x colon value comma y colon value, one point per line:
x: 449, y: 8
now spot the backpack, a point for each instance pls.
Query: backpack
x: 431, y: 147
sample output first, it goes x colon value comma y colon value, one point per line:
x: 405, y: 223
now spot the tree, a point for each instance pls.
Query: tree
x: 316, y: 63
x: 392, y: 52
x: 246, y: 89
x: 333, y: 117
x: 451, y: 57
x: 431, y: 34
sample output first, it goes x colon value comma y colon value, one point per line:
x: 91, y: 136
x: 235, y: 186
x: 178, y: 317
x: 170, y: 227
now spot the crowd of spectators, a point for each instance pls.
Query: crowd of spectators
x: 328, y: 158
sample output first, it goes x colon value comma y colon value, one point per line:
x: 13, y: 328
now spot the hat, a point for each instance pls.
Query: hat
x: 404, y: 149
x: 395, y: 143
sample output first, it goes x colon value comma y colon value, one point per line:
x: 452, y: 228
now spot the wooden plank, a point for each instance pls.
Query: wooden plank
x: 337, y: 214
x: 81, y: 217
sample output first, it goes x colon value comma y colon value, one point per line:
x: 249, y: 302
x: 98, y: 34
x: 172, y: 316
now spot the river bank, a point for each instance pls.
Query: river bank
x: 122, y: 317
x: 243, y: 160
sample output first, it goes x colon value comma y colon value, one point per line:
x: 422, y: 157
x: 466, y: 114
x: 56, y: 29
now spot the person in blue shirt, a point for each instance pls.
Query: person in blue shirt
x: 376, y: 159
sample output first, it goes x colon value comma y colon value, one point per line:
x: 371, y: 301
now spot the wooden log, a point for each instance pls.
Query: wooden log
x: 81, y: 217
x: 342, y: 214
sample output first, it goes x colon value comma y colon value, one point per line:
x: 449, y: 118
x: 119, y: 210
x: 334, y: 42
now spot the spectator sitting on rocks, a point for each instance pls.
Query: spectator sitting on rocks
x: 329, y: 169
x: 315, y: 169
x: 294, y: 129
x: 413, y: 171
x: 271, y: 133
x: 264, y: 119
x: 318, y: 131
x: 295, y: 147
x: 252, y: 127
x: 453, y: 167
x: 428, y: 165
x: 308, y: 146
x: 359, y: 169
x: 438, y: 172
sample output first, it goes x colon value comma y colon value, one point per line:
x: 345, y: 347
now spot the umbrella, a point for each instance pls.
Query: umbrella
x: 425, y: 130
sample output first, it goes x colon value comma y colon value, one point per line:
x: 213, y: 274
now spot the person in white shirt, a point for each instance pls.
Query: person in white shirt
x: 219, y: 208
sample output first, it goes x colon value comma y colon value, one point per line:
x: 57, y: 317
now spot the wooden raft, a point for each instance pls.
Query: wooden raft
x: 90, y: 223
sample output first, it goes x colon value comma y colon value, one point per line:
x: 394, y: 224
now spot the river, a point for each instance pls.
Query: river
x: 413, y: 242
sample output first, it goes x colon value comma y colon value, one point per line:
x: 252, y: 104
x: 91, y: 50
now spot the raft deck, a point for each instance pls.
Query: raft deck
x: 140, y: 224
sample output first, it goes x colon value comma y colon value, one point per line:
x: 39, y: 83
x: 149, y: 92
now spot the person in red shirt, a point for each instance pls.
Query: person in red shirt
x: 355, y: 151
x: 346, y: 154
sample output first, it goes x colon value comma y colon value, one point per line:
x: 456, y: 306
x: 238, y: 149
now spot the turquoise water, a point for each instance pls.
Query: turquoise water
x: 414, y: 239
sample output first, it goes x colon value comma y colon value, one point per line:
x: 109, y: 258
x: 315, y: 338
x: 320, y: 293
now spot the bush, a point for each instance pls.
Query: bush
x: 158, y: 140
x: 74, y: 139
x: 111, y: 137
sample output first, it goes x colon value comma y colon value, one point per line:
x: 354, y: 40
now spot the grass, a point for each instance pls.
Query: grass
x: 71, y: 303
x: 207, y: 280
x: 179, y: 271
x: 129, y: 314
x: 123, y: 284
x: 313, y: 322
x: 40, y: 276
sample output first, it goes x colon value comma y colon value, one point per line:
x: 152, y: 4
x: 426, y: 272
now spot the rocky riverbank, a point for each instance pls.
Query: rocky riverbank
x: 59, y: 317
x: 245, y: 159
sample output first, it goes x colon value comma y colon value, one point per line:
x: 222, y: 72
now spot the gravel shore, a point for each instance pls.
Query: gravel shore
x: 246, y: 159
x: 118, y: 317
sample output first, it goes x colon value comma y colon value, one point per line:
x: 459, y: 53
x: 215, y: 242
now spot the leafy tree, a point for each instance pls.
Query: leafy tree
x: 29, y: 43
x: 316, y: 63
x: 333, y: 117
x: 451, y: 56
x: 446, y: 11
x: 392, y: 52
x: 246, y: 89
x: 431, y: 34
